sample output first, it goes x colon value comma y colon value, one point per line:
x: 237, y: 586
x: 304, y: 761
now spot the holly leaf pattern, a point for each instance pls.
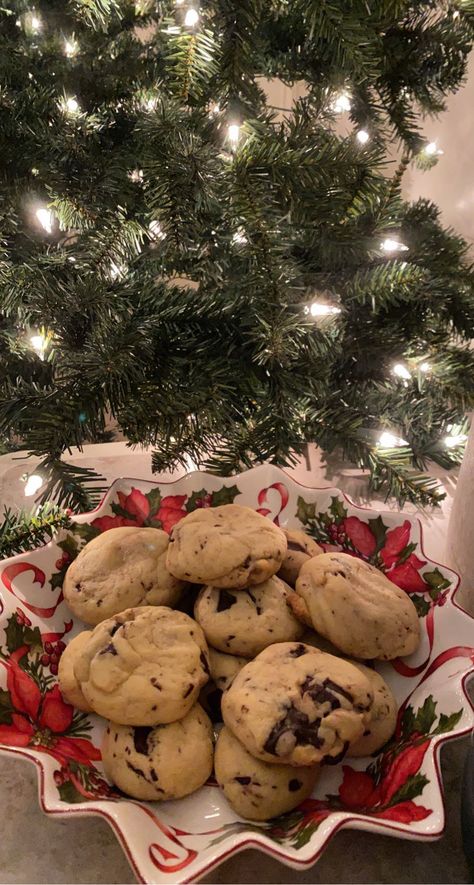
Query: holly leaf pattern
x: 225, y: 495
x: 408, y: 722
x: 447, y: 723
x: 118, y: 510
x: 305, y: 511
x: 68, y: 793
x: 413, y: 786
x: 406, y: 553
x: 57, y: 579
x: 154, y: 499
x: 85, y: 531
x: 379, y: 531
x: 191, y: 503
x: 436, y: 581
x: 425, y: 716
x: 421, y: 604
x: 14, y: 634
x: 69, y: 545
x: 337, y: 509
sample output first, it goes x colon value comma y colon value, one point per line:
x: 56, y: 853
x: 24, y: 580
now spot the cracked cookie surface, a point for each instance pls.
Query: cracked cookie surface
x: 297, y: 705
x: 144, y: 666
x: 244, y: 622
x: 121, y: 568
x: 227, y: 546
x: 161, y: 762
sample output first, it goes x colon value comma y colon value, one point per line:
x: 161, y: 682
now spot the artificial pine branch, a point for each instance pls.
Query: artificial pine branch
x: 22, y: 531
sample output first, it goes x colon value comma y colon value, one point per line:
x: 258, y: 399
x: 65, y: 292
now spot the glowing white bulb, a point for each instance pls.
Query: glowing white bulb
x: 456, y: 14
x: 33, y: 484
x: 191, y: 18
x: 424, y: 367
x: 70, y: 48
x: 156, y: 231
x: 233, y: 133
x: 362, y: 136
x: 214, y: 108
x: 45, y: 218
x: 136, y: 175
x: 36, y: 24
x: 150, y: 104
x: 342, y: 103
x: 387, y: 440
x: 323, y: 310
x: 71, y: 105
x: 38, y: 343
x: 390, y: 245
x: 455, y: 440
x: 433, y: 150
x: 239, y: 236
x: 401, y: 371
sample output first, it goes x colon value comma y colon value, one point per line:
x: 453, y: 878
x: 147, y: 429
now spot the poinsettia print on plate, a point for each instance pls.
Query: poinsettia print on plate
x: 396, y: 792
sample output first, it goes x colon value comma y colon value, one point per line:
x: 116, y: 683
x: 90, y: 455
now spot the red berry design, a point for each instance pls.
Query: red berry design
x: 54, y: 669
x: 54, y: 658
x: 45, y: 660
x: 48, y: 647
x: 60, y: 646
x: 58, y: 564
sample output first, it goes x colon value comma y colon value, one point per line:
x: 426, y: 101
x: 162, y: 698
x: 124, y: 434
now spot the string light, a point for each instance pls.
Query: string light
x: 425, y: 367
x: 70, y: 48
x: 214, y: 109
x: 36, y: 23
x: 391, y: 245
x: 323, y: 310
x: 155, y: 230
x: 432, y: 150
x: 38, y: 343
x: 233, y: 133
x: 136, y: 175
x: 70, y: 105
x: 191, y: 18
x: 45, y: 218
x: 33, y: 484
x: 455, y: 440
x: 388, y: 440
x: 401, y: 371
x: 342, y: 103
x: 239, y: 237
x: 362, y: 136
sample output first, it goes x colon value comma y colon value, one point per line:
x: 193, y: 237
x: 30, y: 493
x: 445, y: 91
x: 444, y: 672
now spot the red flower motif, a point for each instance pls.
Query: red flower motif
x: 395, y: 541
x: 136, y: 504
x: 360, y: 535
x: 359, y: 792
x: 171, y: 511
x: 41, y: 721
x: 407, y: 576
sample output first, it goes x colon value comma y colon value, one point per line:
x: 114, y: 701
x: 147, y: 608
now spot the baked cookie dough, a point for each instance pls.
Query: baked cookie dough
x: 357, y: 608
x: 144, y: 666
x: 244, y: 622
x: 161, y: 762
x: 227, y: 546
x: 296, y: 705
x: 121, y: 568
x: 383, y: 716
x: 224, y: 668
x: 70, y: 688
x: 255, y: 789
x: 301, y: 547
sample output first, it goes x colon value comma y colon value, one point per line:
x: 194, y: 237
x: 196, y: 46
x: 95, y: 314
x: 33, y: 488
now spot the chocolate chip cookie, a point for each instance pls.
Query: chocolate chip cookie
x: 244, y: 622
x: 144, y: 666
x: 296, y: 705
x: 383, y: 716
x: 70, y: 688
x: 300, y: 548
x: 357, y: 608
x: 224, y: 668
x: 161, y: 762
x: 121, y: 568
x: 255, y: 789
x: 227, y: 546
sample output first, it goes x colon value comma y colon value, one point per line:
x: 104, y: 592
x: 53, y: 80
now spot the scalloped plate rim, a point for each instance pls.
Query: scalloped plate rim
x: 241, y: 842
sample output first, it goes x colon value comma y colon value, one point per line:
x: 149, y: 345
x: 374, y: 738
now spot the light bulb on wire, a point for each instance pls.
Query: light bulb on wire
x: 401, y: 371
x: 33, y: 484
x: 233, y: 133
x: 70, y: 105
x: 457, y: 439
x: 45, y: 218
x: 38, y: 343
x: 424, y: 367
x: 70, y: 48
x: 363, y: 136
x: 388, y: 440
x: 36, y: 23
x: 342, y: 103
x: 316, y: 309
x: 392, y: 245
x: 432, y: 150
x: 191, y: 18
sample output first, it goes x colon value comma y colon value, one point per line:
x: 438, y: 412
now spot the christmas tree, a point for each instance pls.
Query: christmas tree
x: 219, y: 280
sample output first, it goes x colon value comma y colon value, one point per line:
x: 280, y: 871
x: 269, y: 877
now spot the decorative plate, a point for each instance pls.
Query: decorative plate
x: 398, y: 792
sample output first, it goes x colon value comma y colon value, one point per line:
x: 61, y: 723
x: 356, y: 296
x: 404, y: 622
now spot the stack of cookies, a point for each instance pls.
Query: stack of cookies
x: 277, y: 625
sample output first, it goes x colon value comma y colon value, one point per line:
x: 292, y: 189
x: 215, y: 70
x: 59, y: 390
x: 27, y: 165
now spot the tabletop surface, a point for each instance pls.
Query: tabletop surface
x: 37, y: 849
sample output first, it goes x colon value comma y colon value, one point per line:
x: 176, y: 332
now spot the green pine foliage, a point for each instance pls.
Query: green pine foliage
x: 173, y: 285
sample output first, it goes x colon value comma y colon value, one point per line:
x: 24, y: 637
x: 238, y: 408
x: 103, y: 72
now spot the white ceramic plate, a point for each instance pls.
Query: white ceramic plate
x: 398, y: 792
